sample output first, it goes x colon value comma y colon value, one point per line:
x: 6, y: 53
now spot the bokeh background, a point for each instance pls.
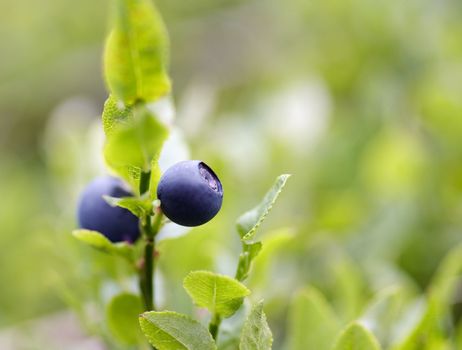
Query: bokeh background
x: 360, y: 100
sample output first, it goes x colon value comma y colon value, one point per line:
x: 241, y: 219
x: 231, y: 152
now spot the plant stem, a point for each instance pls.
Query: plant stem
x: 150, y: 229
x: 150, y: 226
x: 149, y: 274
x: 214, y: 326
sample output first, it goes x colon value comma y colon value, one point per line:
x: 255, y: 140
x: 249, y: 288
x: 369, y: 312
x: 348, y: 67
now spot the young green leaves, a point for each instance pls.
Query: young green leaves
x: 249, y: 252
x: 136, y: 54
x: 135, y: 65
x: 248, y: 223
x: 169, y: 330
x: 139, y: 207
x: 221, y: 295
x: 134, y: 140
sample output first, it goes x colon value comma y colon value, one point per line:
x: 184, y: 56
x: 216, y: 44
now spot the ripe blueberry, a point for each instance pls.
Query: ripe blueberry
x: 190, y: 193
x: 94, y: 213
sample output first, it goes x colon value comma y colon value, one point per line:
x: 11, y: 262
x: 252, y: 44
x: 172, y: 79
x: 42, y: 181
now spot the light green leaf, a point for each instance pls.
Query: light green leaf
x: 249, y: 252
x: 114, y: 114
x: 122, y: 317
x: 134, y: 147
x: 169, y: 330
x: 139, y: 207
x: 248, y: 223
x: 256, y: 334
x: 220, y: 294
x: 313, y: 324
x: 136, y: 53
x: 101, y: 243
x: 356, y: 337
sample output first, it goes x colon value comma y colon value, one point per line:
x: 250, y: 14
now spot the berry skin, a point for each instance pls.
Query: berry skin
x: 190, y: 193
x: 94, y: 213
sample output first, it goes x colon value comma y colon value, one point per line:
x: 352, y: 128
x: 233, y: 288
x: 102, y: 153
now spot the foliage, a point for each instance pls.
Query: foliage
x: 359, y: 103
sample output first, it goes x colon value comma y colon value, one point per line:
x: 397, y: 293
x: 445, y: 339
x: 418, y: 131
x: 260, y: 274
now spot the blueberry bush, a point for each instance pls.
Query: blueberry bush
x: 112, y: 216
x: 359, y: 100
x: 123, y: 216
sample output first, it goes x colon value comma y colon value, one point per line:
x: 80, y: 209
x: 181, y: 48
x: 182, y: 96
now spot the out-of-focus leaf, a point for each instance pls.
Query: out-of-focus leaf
x: 382, y: 314
x: 169, y: 330
x: 122, y: 316
x: 134, y: 147
x: 256, y: 334
x: 313, y: 323
x: 220, y: 294
x: 139, y: 207
x: 136, y: 54
x: 356, y: 337
x: 248, y: 223
x: 430, y: 328
x: 347, y: 288
x: 101, y: 243
x: 275, y: 242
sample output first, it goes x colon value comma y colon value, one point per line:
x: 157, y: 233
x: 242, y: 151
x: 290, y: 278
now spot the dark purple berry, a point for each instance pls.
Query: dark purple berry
x: 94, y: 213
x: 190, y: 193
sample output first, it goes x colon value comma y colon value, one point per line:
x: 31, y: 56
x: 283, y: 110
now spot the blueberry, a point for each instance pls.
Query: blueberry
x: 94, y: 213
x: 190, y: 193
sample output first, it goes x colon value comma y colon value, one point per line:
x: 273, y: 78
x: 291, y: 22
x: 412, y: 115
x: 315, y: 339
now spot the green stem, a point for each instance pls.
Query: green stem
x: 149, y: 274
x: 214, y: 326
x: 150, y: 230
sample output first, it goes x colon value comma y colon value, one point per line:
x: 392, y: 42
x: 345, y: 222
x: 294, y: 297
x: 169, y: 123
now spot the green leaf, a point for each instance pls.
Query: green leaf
x: 136, y: 53
x: 356, y: 337
x: 115, y: 113
x: 313, y: 324
x: 220, y: 294
x: 248, y: 223
x: 101, y: 243
x: 139, y: 207
x: 169, y: 330
x: 249, y: 252
x: 256, y: 334
x: 122, y: 317
x: 430, y: 327
x: 134, y: 147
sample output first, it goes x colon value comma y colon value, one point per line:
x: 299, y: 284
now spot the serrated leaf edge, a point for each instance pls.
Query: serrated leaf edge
x: 283, y: 178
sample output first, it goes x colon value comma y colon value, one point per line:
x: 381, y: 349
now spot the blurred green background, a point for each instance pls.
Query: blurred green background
x: 359, y: 100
